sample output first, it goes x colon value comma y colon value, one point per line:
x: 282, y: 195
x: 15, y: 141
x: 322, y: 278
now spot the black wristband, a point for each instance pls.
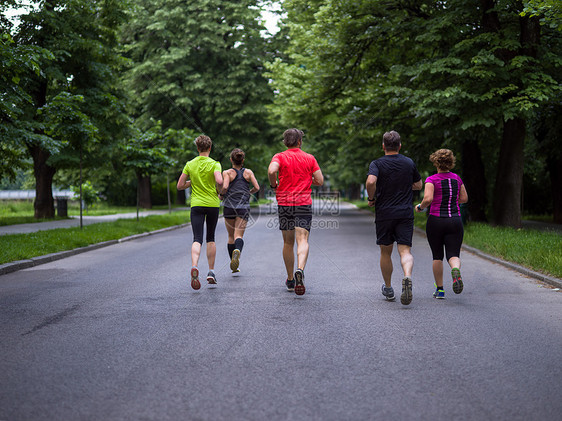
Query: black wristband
x: 370, y: 200
x: 272, y: 187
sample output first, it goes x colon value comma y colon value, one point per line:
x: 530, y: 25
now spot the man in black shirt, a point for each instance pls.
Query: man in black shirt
x: 390, y: 184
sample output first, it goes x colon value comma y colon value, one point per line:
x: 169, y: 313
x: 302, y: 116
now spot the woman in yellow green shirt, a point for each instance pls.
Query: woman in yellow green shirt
x: 203, y: 174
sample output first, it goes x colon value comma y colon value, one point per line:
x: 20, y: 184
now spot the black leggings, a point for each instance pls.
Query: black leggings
x: 444, y: 232
x: 198, y: 216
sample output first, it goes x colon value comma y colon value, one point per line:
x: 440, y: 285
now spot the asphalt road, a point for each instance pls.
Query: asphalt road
x: 118, y: 334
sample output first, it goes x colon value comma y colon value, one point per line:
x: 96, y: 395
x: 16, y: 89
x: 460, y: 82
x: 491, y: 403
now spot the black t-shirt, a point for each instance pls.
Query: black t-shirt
x: 395, y: 176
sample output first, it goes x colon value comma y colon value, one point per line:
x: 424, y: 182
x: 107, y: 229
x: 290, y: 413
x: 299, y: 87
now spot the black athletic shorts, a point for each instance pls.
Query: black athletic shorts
x: 231, y: 213
x: 295, y: 216
x: 400, y: 231
x: 200, y: 216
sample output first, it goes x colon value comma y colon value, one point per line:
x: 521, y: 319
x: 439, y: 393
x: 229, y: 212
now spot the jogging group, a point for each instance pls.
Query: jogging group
x: 390, y: 184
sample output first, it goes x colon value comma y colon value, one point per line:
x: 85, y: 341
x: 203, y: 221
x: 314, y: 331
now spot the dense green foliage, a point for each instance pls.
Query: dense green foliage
x: 114, y: 92
x: 467, y: 75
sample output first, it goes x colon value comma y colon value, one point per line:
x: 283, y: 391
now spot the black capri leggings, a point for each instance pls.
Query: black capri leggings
x: 444, y: 232
x: 198, y: 216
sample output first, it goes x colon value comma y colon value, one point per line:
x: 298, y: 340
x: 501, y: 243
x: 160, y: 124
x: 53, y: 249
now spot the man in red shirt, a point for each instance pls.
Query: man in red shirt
x: 291, y: 173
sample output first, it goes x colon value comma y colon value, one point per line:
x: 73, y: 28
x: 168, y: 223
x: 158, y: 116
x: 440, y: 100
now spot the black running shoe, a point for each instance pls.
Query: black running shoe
x: 290, y: 285
x: 406, y: 297
x: 299, y: 282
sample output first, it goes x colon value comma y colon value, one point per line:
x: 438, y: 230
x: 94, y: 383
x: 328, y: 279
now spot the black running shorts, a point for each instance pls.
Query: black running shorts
x: 295, y: 216
x: 400, y: 231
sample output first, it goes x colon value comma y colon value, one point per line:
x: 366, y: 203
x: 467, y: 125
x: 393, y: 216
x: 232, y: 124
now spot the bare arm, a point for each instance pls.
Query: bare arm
x: 272, y: 171
x: 417, y: 185
x: 218, y: 180
x: 463, y: 195
x: 427, y: 197
x: 253, y: 180
x: 225, y: 182
x: 317, y: 178
x: 371, y: 185
x: 183, y: 182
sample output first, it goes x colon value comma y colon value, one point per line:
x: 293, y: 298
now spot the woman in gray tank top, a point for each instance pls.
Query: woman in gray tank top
x: 235, y: 195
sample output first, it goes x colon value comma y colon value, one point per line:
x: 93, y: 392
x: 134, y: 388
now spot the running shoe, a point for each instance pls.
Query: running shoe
x: 211, y: 278
x: 406, y: 297
x: 388, y: 292
x: 290, y: 285
x: 299, y: 282
x: 439, y: 293
x: 457, y: 281
x: 235, y: 261
x: 195, y: 284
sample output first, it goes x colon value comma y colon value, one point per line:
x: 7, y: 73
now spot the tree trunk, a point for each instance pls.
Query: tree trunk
x: 43, y: 205
x: 474, y: 178
x: 554, y: 164
x: 355, y: 191
x: 145, y: 194
x: 509, y: 179
x: 180, y: 197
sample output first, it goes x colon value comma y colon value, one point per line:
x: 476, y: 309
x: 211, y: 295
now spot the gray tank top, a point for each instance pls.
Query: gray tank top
x: 238, y: 194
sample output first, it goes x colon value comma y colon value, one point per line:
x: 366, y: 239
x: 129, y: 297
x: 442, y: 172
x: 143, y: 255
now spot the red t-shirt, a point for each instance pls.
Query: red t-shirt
x: 295, y: 177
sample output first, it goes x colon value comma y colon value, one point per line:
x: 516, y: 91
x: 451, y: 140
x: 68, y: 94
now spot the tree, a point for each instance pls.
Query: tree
x: 199, y: 65
x: 78, y: 79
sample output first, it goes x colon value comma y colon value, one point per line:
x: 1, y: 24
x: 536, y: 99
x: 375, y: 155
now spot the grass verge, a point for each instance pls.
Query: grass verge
x: 24, y: 246
x: 534, y: 249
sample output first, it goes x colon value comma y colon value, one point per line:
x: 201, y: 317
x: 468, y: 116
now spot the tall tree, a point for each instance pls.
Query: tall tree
x: 79, y: 79
x: 199, y: 65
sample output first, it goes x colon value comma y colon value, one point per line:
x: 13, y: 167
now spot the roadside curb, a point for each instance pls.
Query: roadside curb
x: 555, y: 282
x: 39, y: 260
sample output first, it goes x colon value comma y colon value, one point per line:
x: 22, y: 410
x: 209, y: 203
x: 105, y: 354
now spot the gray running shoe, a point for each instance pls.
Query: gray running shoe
x: 406, y: 297
x: 388, y: 292
x: 211, y: 278
x: 457, y: 281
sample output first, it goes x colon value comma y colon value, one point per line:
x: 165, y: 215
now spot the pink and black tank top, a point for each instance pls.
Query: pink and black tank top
x: 446, y: 194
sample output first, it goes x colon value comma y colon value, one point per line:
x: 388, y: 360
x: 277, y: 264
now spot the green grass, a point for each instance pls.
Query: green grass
x: 537, y: 250
x: 21, y: 212
x: 24, y: 246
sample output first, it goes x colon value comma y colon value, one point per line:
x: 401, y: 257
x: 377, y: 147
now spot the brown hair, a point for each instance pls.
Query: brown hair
x: 291, y: 137
x: 443, y: 159
x: 237, y: 155
x: 391, y: 141
x: 203, y: 143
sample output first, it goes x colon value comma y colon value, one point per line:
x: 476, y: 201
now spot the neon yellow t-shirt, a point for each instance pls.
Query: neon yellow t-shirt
x: 201, y: 172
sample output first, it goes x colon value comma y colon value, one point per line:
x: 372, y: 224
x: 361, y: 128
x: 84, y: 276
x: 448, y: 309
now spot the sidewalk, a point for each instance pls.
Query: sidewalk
x: 75, y: 221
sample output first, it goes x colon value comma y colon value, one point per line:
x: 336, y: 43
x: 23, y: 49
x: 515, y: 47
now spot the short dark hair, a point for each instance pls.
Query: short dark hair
x: 391, y: 141
x: 291, y: 137
x: 203, y: 143
x: 237, y: 155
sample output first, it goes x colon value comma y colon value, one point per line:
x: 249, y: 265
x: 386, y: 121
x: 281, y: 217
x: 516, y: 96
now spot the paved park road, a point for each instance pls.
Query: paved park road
x: 118, y: 334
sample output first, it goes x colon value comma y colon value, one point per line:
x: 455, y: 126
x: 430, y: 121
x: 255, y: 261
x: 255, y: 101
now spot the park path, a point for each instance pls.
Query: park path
x: 74, y: 221
x: 117, y: 333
